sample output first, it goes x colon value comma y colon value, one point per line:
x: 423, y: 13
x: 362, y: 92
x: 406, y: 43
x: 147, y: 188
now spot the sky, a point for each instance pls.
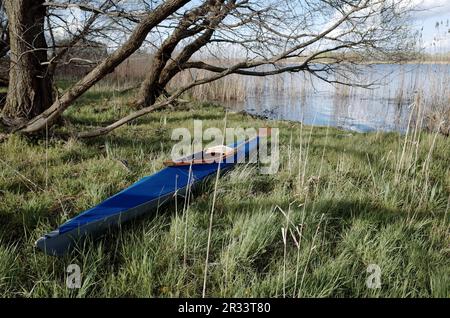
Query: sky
x: 430, y: 12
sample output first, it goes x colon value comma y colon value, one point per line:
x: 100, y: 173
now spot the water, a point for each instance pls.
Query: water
x: 385, y: 107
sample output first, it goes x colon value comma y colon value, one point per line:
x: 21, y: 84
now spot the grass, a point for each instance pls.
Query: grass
x: 338, y: 203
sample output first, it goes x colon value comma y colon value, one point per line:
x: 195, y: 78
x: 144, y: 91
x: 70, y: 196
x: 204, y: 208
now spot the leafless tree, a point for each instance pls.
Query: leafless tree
x: 38, y: 36
x: 329, y: 39
x: 321, y: 37
x: 149, y: 21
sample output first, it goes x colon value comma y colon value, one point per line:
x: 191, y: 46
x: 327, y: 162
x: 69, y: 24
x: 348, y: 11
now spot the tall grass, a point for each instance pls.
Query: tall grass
x: 349, y: 200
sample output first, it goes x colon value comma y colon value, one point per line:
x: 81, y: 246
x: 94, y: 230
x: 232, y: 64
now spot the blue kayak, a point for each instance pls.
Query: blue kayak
x: 141, y: 198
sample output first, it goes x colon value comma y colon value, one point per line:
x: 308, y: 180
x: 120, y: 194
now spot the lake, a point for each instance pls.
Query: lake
x: 384, y: 107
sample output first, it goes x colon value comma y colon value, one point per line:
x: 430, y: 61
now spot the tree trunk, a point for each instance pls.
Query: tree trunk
x: 176, y: 64
x: 150, y: 90
x: 135, y: 40
x: 30, y: 87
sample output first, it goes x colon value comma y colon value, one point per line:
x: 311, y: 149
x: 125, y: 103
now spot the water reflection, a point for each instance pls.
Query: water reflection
x: 386, y: 107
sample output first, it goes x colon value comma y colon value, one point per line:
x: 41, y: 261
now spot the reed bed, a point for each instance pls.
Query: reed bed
x: 399, y: 85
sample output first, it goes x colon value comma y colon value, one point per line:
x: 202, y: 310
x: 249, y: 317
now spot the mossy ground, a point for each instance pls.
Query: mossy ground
x: 356, y: 199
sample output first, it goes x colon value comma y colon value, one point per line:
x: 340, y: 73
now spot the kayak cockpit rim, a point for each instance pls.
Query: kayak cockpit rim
x: 214, y: 154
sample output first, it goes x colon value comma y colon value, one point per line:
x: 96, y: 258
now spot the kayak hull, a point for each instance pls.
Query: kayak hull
x: 144, y: 196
